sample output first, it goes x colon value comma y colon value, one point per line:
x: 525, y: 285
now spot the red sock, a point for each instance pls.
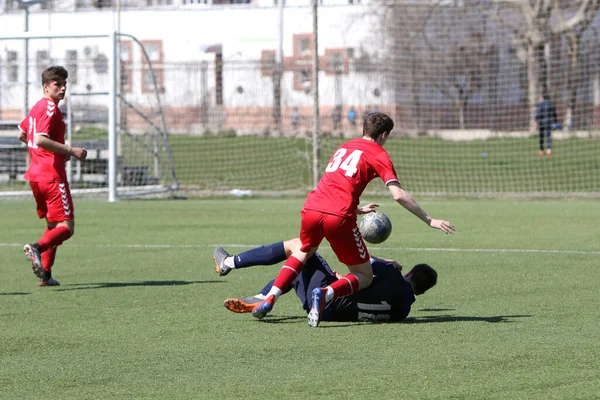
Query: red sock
x: 48, y: 259
x: 290, y: 270
x: 345, y: 286
x: 54, y: 237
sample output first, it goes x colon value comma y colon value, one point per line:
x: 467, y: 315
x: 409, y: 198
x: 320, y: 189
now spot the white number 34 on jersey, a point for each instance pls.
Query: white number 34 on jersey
x: 347, y: 164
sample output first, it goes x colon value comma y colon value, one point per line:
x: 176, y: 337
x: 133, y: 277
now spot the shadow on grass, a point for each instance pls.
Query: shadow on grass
x: 409, y: 320
x: 272, y: 319
x: 459, y: 318
x: 428, y: 320
x: 107, y: 285
x: 14, y: 293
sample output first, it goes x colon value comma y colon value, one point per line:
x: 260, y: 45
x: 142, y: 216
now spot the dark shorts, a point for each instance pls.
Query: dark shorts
x: 315, y: 274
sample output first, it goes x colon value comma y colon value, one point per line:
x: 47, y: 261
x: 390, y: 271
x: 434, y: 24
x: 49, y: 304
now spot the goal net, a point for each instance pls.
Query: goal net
x: 461, y: 79
x: 140, y: 154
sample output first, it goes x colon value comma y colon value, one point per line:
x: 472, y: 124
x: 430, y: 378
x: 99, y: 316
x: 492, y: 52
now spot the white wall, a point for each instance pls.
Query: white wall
x: 243, y: 33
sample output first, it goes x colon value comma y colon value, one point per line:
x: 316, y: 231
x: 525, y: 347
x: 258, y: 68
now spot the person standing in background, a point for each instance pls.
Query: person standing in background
x: 546, y: 118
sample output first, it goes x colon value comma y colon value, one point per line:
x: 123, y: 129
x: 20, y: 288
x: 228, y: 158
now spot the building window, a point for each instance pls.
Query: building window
x: 163, y: 2
x: 42, y: 60
x: 267, y: 62
x: 126, y: 49
x: 71, y: 65
x: 12, y: 66
x: 155, y: 55
x: 336, y: 61
x: 302, y: 80
x: 302, y: 45
x: 102, y: 3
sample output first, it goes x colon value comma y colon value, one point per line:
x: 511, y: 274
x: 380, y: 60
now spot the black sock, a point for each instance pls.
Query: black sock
x: 263, y: 255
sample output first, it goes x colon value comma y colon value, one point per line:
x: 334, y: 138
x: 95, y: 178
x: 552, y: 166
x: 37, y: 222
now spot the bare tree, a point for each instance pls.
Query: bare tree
x: 532, y: 35
x: 459, y: 55
x: 574, y: 34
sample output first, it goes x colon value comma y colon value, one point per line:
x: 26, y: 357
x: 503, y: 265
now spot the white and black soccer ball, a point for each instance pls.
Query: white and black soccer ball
x: 375, y: 227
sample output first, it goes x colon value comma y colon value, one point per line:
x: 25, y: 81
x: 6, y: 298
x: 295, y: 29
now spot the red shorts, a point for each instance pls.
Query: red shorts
x: 53, y: 200
x: 341, y: 233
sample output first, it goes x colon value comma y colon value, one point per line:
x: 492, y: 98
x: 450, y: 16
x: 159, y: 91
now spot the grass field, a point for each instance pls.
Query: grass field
x: 139, y: 314
x: 425, y: 165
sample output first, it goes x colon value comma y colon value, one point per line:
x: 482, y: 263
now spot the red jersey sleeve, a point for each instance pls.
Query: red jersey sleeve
x: 24, y: 125
x: 385, y: 168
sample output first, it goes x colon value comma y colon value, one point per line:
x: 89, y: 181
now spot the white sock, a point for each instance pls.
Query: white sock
x: 329, y: 294
x: 228, y: 262
x: 274, y: 291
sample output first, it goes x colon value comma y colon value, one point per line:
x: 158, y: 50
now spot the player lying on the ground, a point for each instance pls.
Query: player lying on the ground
x: 389, y: 297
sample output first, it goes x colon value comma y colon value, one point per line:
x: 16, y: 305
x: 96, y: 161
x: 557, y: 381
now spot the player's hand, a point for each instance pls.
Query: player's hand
x: 79, y: 153
x: 367, y: 209
x: 444, y: 226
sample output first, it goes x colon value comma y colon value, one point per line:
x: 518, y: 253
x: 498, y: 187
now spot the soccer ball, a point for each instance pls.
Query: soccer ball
x: 375, y: 227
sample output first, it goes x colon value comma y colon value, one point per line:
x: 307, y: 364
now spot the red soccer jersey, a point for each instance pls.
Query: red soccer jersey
x: 45, y: 118
x: 353, y: 165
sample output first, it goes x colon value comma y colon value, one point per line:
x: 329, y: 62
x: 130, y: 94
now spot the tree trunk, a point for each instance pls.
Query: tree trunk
x: 596, y: 100
x: 573, y: 81
x: 461, y: 114
x: 277, y: 100
x: 532, y: 80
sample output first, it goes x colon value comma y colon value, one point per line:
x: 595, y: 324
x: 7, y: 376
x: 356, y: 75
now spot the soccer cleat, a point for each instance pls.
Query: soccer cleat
x: 265, y: 307
x: 257, y: 298
x: 49, y: 282
x: 318, y: 304
x: 541, y: 153
x: 549, y: 152
x: 241, y: 305
x: 219, y: 255
x: 33, y: 254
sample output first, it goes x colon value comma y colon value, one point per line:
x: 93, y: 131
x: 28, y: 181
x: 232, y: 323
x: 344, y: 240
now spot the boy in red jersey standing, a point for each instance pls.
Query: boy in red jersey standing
x: 43, y: 130
x: 330, y: 212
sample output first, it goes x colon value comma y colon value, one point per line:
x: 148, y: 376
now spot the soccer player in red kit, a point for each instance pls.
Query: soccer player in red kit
x: 330, y: 212
x: 43, y: 130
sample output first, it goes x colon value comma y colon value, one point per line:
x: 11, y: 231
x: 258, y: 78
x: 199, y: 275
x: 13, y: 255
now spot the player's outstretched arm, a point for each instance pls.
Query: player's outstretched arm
x: 404, y: 198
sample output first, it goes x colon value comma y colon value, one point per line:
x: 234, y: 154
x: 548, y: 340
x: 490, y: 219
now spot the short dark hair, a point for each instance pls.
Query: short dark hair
x: 423, y: 277
x: 54, y: 73
x: 376, y: 124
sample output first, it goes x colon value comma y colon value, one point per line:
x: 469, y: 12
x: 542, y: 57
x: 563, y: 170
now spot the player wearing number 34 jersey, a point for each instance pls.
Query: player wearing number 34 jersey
x: 330, y: 212
x: 352, y: 167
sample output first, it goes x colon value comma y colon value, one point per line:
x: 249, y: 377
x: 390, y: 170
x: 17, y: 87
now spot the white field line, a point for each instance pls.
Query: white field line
x: 375, y: 249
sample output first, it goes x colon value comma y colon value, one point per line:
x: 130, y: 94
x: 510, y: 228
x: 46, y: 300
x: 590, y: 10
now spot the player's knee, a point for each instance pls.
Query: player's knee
x: 364, y: 280
x: 70, y: 224
x: 368, y: 279
x: 292, y: 245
